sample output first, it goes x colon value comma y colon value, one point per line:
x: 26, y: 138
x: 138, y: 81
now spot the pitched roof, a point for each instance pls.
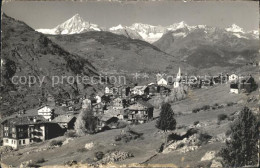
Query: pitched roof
x: 26, y: 120
x: 63, y: 119
x: 138, y: 107
x: 139, y: 87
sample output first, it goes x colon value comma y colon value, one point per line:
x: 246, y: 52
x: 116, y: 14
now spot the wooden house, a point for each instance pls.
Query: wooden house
x: 139, y: 112
x: 65, y: 121
x: 140, y: 90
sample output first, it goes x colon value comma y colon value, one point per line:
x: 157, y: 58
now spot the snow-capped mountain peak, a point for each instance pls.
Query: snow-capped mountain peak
x: 74, y: 25
x: 235, y: 28
x: 118, y: 27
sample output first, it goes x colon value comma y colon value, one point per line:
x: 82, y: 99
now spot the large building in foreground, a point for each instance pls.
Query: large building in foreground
x: 20, y: 131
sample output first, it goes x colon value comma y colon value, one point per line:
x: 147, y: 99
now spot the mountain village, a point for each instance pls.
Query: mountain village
x: 196, y: 106
x: 114, y: 105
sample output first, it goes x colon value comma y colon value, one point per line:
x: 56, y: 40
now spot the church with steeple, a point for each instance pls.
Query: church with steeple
x: 178, y: 79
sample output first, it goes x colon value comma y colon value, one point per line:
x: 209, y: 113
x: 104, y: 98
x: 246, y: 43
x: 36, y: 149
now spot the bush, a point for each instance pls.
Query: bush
x: 56, y: 143
x: 180, y: 145
x: 231, y: 118
x: 230, y: 103
x: 222, y: 117
x: 196, y: 122
x: 41, y: 160
x: 205, y: 107
x: 99, y: 155
x: 195, y: 110
x: 203, y: 138
x: 70, y: 134
x: 228, y: 132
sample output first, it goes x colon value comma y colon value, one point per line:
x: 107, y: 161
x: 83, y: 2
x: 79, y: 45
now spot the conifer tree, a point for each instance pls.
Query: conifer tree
x: 166, y: 119
x: 242, y: 149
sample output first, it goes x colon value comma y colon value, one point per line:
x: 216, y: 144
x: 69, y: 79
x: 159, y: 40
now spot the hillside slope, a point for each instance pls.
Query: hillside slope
x: 112, y: 53
x: 26, y: 52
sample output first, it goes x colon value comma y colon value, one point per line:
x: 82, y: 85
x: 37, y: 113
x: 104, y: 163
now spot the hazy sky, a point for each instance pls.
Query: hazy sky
x: 107, y: 14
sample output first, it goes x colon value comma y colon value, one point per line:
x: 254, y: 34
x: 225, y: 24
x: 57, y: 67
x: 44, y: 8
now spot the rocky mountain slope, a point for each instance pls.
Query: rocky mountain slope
x: 25, y: 53
x: 204, y: 47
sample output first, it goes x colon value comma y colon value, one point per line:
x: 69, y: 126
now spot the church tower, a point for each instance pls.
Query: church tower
x: 178, y: 79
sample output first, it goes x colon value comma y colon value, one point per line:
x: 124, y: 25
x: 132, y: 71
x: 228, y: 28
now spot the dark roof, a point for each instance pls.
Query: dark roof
x: 26, y: 120
x: 63, y: 119
x: 144, y: 103
x: 137, y: 107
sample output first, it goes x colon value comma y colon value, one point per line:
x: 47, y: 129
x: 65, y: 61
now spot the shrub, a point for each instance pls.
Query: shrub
x: 228, y: 132
x: 196, y: 122
x: 230, y: 103
x: 195, y: 110
x: 222, y: 117
x: 99, y: 155
x: 205, y: 107
x: 41, y: 160
x: 56, y: 143
x: 231, y: 118
x: 203, y: 138
x: 70, y: 134
x: 180, y: 145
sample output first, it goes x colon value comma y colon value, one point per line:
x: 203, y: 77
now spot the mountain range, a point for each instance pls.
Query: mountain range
x: 146, y: 32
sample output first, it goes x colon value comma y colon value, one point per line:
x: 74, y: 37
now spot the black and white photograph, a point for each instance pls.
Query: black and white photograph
x: 138, y: 83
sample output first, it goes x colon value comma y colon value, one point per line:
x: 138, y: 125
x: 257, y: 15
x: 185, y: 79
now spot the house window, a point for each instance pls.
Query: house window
x: 20, y: 142
x: 6, y: 140
x: 23, y: 141
x: 6, y: 128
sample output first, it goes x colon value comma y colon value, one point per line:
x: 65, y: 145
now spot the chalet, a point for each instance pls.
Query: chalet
x: 140, y: 90
x: 20, y: 131
x: 234, y: 88
x: 233, y: 78
x: 86, y: 103
x: 98, y: 109
x: 46, y: 111
x: 139, y: 113
x: 163, y: 90
x: 107, y: 90
x: 153, y: 88
x: 162, y: 82
x: 245, y: 85
x: 65, y: 121
x: 248, y: 84
x: 118, y: 103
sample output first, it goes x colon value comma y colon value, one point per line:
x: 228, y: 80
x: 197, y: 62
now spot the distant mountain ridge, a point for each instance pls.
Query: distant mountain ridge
x: 74, y: 25
x: 146, y: 32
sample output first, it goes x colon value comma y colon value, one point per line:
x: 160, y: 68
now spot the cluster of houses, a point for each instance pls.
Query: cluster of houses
x: 242, y: 84
x: 126, y: 103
